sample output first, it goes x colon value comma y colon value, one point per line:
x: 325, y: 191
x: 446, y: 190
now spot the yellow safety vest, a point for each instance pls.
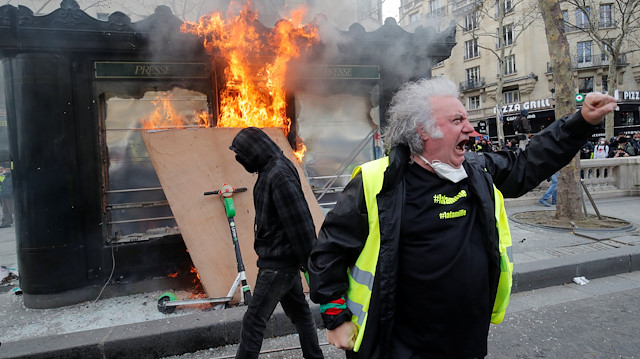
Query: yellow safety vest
x: 362, y: 273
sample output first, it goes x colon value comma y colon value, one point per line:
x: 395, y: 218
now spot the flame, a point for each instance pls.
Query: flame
x: 165, y: 116
x: 256, y: 64
x: 301, y: 149
x: 172, y: 275
x: 197, y: 291
x: 194, y: 270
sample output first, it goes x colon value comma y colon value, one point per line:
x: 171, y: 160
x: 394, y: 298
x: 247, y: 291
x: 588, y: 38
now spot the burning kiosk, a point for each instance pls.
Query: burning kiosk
x: 86, y: 194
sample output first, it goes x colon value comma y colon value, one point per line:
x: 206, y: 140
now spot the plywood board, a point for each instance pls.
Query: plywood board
x: 190, y: 162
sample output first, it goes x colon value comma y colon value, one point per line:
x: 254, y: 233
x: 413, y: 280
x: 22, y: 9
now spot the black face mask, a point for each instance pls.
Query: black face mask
x: 247, y: 166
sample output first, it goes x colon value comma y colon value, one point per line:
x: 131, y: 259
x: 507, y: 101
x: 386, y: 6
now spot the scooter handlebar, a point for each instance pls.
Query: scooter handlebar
x: 235, y: 190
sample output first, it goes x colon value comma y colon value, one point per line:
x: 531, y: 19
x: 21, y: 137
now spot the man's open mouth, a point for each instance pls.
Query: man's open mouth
x: 461, y: 144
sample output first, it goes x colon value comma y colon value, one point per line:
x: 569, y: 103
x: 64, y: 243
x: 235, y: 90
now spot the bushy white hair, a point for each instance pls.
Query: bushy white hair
x: 410, y: 112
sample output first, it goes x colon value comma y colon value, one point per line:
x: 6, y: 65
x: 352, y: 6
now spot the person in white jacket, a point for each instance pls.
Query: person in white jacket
x: 601, y: 150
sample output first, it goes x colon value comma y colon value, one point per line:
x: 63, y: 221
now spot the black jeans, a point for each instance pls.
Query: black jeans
x: 273, y: 286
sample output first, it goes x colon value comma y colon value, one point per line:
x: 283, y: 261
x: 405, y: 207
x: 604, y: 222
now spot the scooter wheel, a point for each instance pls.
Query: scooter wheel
x: 165, y: 309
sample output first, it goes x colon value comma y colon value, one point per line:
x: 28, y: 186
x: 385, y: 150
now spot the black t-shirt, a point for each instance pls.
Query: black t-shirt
x: 442, y: 299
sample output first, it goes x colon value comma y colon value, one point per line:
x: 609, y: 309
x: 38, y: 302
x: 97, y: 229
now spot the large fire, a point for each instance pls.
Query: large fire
x: 255, y: 60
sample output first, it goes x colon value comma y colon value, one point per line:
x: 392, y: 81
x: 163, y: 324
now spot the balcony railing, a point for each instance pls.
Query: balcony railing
x: 472, y: 84
x: 603, y: 177
x: 596, y: 60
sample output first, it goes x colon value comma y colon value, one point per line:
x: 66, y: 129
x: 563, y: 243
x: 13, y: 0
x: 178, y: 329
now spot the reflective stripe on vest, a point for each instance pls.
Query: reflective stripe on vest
x: 361, y: 275
x: 506, y: 259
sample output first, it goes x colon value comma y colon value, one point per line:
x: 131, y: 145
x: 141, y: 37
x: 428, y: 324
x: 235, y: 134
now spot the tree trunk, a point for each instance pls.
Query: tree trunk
x: 568, y: 200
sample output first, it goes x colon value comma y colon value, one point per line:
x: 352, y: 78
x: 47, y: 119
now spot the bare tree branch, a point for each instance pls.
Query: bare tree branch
x: 613, y: 33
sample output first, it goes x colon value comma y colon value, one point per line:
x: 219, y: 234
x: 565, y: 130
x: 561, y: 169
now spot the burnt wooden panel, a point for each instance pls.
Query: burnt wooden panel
x: 191, y: 162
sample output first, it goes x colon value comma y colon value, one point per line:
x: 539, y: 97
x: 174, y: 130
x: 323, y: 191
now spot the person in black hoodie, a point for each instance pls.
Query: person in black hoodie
x: 284, y: 236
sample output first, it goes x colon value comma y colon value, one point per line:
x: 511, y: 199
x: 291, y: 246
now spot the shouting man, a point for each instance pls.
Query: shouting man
x: 415, y: 259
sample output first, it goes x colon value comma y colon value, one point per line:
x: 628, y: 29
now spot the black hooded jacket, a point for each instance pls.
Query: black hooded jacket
x: 284, y: 229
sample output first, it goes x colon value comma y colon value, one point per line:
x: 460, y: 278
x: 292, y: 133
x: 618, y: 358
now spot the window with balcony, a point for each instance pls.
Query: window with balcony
x: 471, y: 49
x: 605, y: 83
x: 585, y: 84
x: 473, y: 74
x: 582, y: 18
x: 606, y: 18
x: 584, y: 53
x: 473, y: 77
x: 471, y: 21
x: 511, y: 96
x: 473, y: 102
x: 507, y: 35
x: 510, y: 65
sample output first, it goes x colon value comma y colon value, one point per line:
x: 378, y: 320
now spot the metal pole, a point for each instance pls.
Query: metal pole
x: 584, y: 187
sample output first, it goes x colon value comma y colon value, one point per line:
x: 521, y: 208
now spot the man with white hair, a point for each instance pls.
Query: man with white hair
x: 414, y: 261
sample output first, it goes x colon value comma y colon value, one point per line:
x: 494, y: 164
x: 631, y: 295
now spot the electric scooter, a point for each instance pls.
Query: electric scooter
x: 167, y: 302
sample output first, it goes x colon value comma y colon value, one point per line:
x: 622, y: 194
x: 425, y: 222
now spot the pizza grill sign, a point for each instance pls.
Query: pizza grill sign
x: 627, y: 95
x: 527, y: 105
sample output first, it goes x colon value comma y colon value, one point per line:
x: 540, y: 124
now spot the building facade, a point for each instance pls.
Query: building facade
x: 522, y: 44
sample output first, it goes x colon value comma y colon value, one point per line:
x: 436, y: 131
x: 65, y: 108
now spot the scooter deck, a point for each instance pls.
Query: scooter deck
x: 175, y: 303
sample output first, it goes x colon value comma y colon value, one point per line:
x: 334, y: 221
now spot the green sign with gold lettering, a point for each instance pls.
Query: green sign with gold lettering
x: 150, y: 70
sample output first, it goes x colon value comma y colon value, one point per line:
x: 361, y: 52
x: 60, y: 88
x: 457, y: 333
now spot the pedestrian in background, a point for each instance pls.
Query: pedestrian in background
x: 414, y: 260
x: 523, y: 129
x: 624, y: 148
x: 551, y: 192
x: 587, y: 151
x: 601, y: 150
x: 284, y: 236
x: 635, y: 142
x: 6, y: 197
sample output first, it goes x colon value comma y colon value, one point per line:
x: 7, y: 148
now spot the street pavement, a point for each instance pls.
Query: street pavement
x: 131, y: 327
x: 598, y: 320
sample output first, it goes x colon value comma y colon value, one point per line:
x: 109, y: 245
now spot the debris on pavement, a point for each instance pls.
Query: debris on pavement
x: 9, y: 276
x: 580, y: 280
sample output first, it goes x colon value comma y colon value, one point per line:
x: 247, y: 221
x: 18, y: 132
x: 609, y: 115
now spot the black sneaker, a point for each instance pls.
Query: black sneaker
x: 5, y: 225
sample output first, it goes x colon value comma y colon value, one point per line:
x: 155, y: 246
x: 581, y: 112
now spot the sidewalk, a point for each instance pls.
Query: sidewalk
x: 131, y: 326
